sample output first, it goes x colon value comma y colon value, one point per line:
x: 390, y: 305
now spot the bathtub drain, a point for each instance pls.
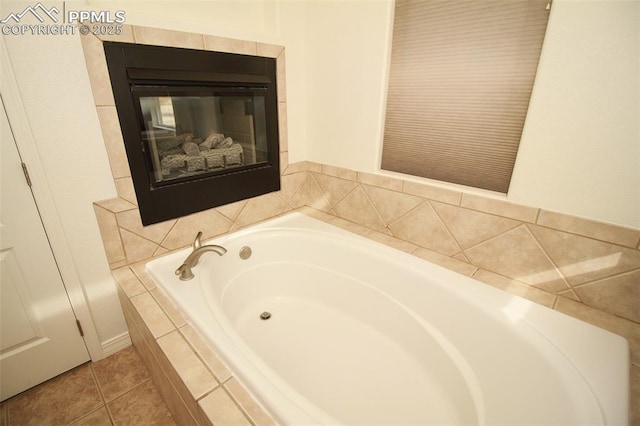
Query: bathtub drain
x: 265, y: 315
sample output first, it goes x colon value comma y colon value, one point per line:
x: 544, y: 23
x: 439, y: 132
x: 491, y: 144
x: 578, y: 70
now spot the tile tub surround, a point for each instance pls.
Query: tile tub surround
x: 547, y: 257
x: 583, y: 268
x: 197, y: 387
x: 551, y: 258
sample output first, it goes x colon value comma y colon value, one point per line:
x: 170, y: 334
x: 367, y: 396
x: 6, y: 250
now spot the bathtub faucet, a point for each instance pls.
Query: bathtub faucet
x: 192, y: 260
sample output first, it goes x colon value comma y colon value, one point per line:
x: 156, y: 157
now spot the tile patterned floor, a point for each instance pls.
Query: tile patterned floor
x: 114, y: 391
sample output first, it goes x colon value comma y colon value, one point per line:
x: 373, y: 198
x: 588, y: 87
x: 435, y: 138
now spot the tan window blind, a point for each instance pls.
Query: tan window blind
x: 459, y: 86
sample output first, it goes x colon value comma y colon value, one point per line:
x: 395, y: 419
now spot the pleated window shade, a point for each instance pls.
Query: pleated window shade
x: 459, y: 87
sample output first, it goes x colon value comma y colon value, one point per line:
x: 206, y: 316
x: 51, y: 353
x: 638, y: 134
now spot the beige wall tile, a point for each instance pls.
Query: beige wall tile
x: 588, y: 228
x: 230, y: 45
x: 176, y: 387
x: 124, y: 188
x: 261, y: 208
x: 281, y: 69
x: 391, y: 205
x: 582, y: 259
x: 220, y: 409
x: 143, y: 275
x: 459, y: 266
x: 232, y: 210
x: 130, y: 220
x: 569, y: 294
x: 333, y: 188
x: 391, y: 241
x: 423, y: 227
x: 516, y: 254
x: 161, y: 250
x: 269, y: 50
x: 432, y: 192
x: 314, y: 167
x: 206, y: 354
x: 97, y: 69
x: 136, y: 248
x: 251, y: 409
x: 316, y: 214
x: 347, y: 225
x: 357, y: 207
x: 155, y: 320
x: 619, y: 295
x: 176, y: 405
x: 189, y: 367
x: 381, y: 181
x: 290, y: 185
x: 128, y: 281
x: 284, y: 162
x: 161, y: 37
x: 113, y: 141
x: 116, y: 205
x: 110, y: 235
x: 169, y: 308
x: 125, y: 37
x: 470, y: 227
x: 210, y: 222
x: 118, y: 264
x: 283, y: 126
x: 500, y: 207
x: 310, y: 194
x: 339, y: 172
x: 298, y: 167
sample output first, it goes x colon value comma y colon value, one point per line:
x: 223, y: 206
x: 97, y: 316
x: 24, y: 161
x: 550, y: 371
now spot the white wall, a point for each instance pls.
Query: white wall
x: 347, y: 61
x: 580, y: 148
x: 51, y: 76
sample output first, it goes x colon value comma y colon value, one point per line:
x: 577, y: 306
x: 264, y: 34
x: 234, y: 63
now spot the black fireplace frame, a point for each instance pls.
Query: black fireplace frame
x: 134, y: 67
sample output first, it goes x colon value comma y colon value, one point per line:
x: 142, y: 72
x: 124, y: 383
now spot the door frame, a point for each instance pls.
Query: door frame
x: 46, y: 206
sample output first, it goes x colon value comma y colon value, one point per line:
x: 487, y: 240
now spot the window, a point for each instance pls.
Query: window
x: 459, y: 86
x: 167, y: 117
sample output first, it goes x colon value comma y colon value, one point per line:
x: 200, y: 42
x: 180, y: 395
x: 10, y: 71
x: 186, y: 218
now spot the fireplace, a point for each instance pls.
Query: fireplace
x: 200, y: 128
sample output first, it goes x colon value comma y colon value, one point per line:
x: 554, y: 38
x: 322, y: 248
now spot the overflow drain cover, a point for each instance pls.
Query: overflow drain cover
x: 265, y: 315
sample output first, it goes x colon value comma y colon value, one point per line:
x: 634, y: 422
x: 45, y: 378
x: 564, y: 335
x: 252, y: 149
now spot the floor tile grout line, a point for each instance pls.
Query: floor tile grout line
x: 120, y: 395
x: 125, y: 391
x: 100, y: 392
x: 84, y: 416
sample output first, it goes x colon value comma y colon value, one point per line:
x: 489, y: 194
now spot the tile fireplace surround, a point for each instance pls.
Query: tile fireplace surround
x: 582, y: 268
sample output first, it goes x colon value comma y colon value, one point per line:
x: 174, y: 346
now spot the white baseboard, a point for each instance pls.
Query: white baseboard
x: 113, y: 345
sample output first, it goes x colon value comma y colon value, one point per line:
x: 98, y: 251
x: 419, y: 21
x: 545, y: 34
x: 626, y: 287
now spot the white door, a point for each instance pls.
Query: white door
x: 39, y: 337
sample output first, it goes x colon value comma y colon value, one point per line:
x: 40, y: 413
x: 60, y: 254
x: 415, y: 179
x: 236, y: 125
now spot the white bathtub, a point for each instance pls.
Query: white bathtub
x: 361, y: 333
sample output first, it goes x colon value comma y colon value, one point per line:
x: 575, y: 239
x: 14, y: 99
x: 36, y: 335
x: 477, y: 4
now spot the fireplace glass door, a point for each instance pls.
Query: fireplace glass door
x: 187, y: 134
